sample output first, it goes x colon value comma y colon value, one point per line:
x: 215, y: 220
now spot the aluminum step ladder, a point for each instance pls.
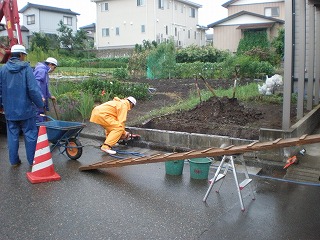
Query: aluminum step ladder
x: 229, y: 162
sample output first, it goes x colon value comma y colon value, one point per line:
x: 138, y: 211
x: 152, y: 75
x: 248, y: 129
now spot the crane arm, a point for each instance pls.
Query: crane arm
x: 9, y: 10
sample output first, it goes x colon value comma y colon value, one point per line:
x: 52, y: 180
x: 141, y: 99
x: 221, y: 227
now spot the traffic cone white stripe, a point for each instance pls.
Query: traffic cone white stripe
x: 42, y: 138
x: 41, y: 151
x: 42, y: 165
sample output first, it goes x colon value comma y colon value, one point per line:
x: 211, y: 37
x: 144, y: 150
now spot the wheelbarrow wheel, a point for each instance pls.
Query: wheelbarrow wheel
x: 73, y: 149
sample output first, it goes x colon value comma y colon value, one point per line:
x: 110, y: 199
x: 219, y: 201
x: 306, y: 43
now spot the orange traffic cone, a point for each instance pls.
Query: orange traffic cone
x: 42, y: 168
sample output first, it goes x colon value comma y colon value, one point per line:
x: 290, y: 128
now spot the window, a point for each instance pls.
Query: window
x: 140, y: 2
x: 272, y: 12
x: 195, y: 35
x: 104, y: 7
x: 105, y: 32
x: 181, y: 8
x: 117, y: 31
x: 67, y: 20
x: 167, y: 30
x: 189, y: 34
x: 160, y: 4
x: 143, y: 28
x: 192, y: 12
x: 175, y: 31
x: 31, y: 19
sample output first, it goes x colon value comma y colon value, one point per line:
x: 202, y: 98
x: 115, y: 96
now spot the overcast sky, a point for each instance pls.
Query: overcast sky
x: 210, y: 12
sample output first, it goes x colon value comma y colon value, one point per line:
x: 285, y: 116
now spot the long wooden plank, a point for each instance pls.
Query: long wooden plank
x: 211, y: 152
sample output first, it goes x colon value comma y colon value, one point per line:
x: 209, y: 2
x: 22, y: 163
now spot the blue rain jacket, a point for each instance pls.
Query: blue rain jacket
x: 41, y: 73
x: 19, y: 91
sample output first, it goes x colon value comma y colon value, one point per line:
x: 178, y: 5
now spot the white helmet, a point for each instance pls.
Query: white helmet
x: 132, y: 100
x: 52, y: 60
x: 18, y: 49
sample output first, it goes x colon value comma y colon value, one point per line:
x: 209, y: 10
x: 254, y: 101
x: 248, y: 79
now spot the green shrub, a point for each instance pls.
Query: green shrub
x: 58, y: 87
x: 120, y: 73
x: 195, y: 53
x: 86, y: 103
x: 98, y: 88
x: 248, y: 67
x: 94, y: 62
x: 190, y: 70
x: 252, y: 39
x: 67, y: 104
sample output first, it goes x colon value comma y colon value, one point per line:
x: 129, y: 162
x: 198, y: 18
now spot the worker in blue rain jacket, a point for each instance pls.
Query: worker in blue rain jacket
x: 41, y: 73
x: 19, y: 97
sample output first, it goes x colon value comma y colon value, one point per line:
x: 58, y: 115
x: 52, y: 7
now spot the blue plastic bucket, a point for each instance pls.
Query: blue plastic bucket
x: 199, y: 168
x: 174, y: 167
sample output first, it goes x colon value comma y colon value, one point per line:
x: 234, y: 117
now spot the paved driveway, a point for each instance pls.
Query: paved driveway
x: 142, y: 202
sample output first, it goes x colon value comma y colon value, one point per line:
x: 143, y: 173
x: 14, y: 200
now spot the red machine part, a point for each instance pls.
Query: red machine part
x: 9, y: 10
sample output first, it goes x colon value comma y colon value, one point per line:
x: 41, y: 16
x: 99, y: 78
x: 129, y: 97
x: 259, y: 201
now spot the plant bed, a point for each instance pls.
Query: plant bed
x: 218, y: 116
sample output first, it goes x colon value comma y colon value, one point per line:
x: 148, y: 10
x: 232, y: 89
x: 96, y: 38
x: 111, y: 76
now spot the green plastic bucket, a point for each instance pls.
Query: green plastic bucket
x: 199, y: 168
x: 174, y: 167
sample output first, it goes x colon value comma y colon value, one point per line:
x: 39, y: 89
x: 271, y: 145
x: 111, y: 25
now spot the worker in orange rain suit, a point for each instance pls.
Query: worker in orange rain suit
x: 112, y: 116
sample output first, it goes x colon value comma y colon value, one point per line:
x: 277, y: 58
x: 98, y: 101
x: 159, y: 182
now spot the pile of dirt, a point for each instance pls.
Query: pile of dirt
x: 220, y: 116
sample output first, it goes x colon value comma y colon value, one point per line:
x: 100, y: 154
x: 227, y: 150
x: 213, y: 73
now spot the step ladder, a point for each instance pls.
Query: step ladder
x: 229, y: 162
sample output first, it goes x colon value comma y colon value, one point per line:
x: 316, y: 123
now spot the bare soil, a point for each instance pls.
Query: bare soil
x: 217, y: 116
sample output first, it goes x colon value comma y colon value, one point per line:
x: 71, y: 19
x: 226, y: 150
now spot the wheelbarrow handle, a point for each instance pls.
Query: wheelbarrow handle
x: 44, y: 115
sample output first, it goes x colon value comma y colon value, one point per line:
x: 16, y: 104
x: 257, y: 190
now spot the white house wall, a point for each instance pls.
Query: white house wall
x: 32, y: 27
x: 46, y: 21
x: 128, y: 17
x: 246, y: 19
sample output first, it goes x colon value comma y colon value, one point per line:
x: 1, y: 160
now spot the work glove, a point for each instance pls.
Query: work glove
x: 125, y: 136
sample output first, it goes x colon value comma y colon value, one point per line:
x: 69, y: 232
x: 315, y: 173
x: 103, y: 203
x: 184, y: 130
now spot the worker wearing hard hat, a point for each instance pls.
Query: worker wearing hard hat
x: 41, y: 73
x: 112, y: 116
x: 19, y: 96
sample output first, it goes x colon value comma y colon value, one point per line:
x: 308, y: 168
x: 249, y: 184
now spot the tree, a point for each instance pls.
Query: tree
x: 81, y: 40
x: 66, y: 37
x: 40, y: 40
x: 71, y: 41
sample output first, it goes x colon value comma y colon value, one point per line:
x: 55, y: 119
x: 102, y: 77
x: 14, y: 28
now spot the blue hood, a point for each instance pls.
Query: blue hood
x: 14, y: 65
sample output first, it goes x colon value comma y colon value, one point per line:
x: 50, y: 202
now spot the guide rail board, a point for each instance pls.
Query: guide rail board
x: 209, y: 152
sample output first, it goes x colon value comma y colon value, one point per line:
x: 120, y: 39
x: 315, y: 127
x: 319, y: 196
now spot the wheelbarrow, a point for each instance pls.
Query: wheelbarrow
x: 64, y: 135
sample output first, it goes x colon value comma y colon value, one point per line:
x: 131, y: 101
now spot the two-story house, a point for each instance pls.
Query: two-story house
x: 125, y: 23
x: 247, y: 15
x: 41, y: 18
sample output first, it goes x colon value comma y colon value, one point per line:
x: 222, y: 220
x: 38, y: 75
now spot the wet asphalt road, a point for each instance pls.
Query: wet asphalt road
x: 142, y: 202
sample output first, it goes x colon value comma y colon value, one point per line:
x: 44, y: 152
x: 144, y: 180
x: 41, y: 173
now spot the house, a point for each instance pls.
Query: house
x: 247, y: 15
x: 45, y: 19
x: 125, y: 23
x: 90, y: 30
